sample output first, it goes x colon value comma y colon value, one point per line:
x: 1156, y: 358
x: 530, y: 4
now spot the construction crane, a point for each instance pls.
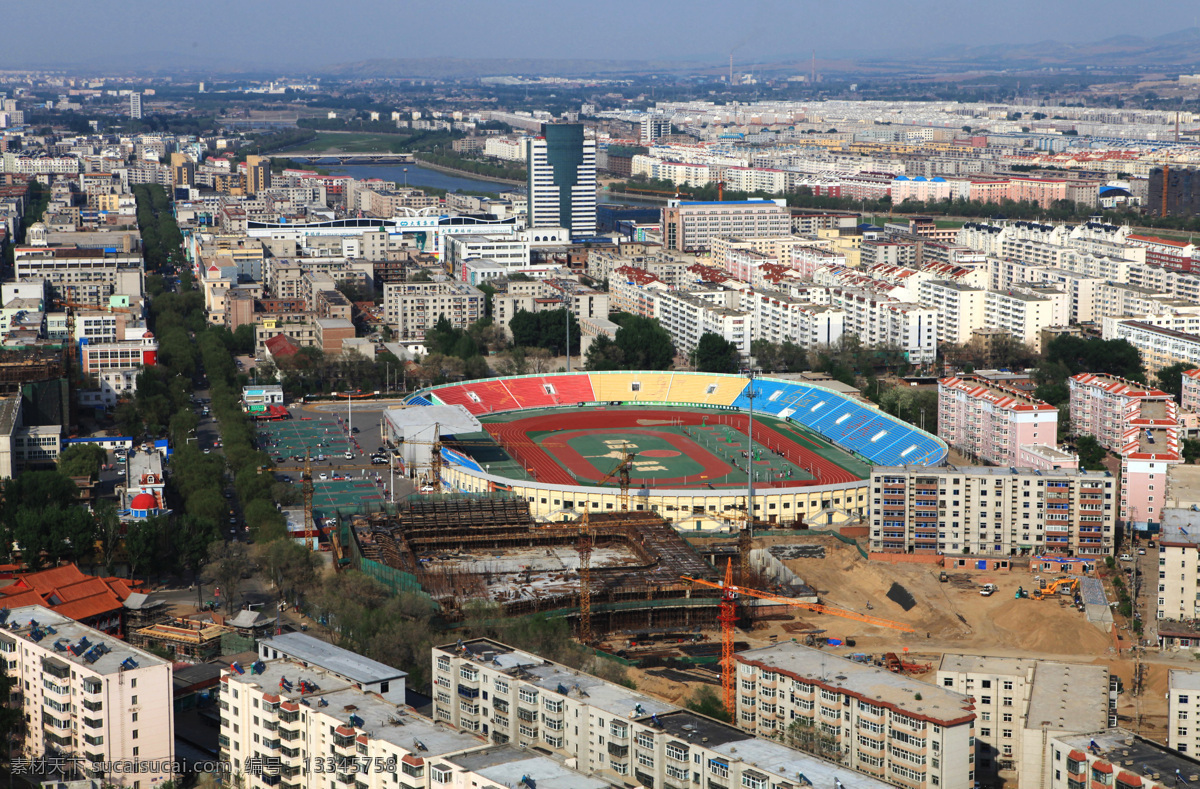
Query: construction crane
x: 1058, y: 586
x: 621, y: 472
x: 98, y: 307
x: 727, y: 618
x: 586, y: 542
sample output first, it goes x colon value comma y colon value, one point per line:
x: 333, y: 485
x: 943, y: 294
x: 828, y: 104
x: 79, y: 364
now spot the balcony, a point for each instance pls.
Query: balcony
x: 618, y: 751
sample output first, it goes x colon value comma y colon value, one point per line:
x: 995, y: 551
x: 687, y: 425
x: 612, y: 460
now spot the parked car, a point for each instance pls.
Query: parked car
x: 1126, y: 557
x: 324, y: 475
x: 350, y: 456
x: 378, y: 461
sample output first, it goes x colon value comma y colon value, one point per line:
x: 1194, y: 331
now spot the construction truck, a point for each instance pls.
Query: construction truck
x: 1064, y: 586
x: 943, y: 576
x: 987, y: 590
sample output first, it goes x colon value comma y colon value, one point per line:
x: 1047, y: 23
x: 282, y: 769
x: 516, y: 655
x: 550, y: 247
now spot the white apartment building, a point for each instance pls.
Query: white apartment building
x: 1019, y: 702
x: 687, y: 316
x: 1183, y: 710
x: 876, y: 718
x: 781, y: 317
x: 1162, y: 340
x: 415, y: 307
x: 289, y: 725
x: 548, y: 295
x: 90, y: 697
x: 993, y: 511
x: 691, y: 226
x: 505, y: 250
x: 1114, y: 757
x: 885, y: 323
x: 366, y: 674
x: 1024, y: 312
x: 1178, y: 569
x: 960, y: 309
x: 620, y: 735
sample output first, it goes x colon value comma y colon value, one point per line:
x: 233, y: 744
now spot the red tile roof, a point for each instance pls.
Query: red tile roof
x: 68, y: 591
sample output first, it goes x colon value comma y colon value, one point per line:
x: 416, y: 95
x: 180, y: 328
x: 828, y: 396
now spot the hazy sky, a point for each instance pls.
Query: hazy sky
x: 321, y: 32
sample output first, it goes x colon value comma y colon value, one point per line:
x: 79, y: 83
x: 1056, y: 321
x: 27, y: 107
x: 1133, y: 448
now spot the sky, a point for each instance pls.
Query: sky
x: 315, y: 33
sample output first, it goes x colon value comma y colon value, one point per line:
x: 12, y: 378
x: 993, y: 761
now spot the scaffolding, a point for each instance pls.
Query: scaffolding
x: 459, y: 551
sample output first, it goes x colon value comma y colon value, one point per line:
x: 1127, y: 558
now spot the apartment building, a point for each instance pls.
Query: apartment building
x: 1139, y: 424
x: 115, y: 365
x: 991, y: 422
x: 635, y: 291
x: 881, y: 322
x: 620, y: 735
x: 415, y: 307
x: 1183, y: 710
x: 505, y: 250
x: 670, y: 269
x: 366, y: 674
x: 548, y: 294
x: 1114, y: 757
x: 289, y: 725
x: 1178, y: 568
x: 1191, y: 391
x: 691, y: 226
x: 687, y: 316
x: 83, y: 276
x: 900, y: 730
x: 781, y: 317
x: 1024, y: 313
x: 1162, y: 340
x: 997, y: 511
x: 1020, y: 702
x: 960, y: 309
x: 89, y: 697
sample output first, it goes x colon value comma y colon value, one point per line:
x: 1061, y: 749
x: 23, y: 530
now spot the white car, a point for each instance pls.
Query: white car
x: 1126, y: 557
x: 349, y: 456
x: 324, y: 475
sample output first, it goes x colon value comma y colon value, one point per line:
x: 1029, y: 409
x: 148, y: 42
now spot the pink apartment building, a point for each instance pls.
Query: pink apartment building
x: 990, y: 422
x: 1191, y: 391
x: 1138, y: 423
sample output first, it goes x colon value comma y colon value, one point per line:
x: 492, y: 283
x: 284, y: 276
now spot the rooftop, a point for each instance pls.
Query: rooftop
x: 379, y: 719
x: 1184, y: 680
x: 989, y: 471
x: 865, y: 682
x: 509, y: 765
x: 31, y: 622
x: 778, y: 759
x: 343, y: 662
x: 1132, y: 753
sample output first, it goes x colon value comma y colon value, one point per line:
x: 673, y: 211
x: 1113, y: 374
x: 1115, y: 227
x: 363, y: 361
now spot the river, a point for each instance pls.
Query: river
x: 418, y: 176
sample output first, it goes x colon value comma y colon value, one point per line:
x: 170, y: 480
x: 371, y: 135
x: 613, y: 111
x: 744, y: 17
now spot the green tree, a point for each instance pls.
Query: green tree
x: 142, y: 541
x: 645, y: 344
x: 82, y: 460
x: 715, y: 354
x: 705, y: 701
x: 228, y: 562
x: 1091, y: 454
x: 604, y: 354
x: 291, y: 566
x: 108, y: 534
x: 1170, y: 379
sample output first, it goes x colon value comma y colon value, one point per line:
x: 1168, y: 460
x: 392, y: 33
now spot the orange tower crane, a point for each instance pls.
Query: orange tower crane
x: 727, y: 618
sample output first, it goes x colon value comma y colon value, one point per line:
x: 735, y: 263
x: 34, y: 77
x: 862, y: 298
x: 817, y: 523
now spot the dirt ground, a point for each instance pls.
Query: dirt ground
x: 951, y: 618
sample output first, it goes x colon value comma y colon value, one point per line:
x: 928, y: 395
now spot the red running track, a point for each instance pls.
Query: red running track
x: 513, y: 436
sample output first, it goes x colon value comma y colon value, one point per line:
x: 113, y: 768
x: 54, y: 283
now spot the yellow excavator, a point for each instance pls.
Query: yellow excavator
x: 1065, y: 586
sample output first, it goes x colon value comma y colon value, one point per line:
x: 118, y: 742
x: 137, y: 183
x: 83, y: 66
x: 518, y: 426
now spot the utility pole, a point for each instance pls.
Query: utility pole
x: 567, y: 312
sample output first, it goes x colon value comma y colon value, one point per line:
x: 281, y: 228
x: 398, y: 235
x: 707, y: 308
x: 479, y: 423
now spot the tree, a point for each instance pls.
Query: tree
x: 705, y: 701
x: 227, y: 563
x: 108, y: 533
x: 82, y: 460
x: 1170, y: 379
x: 291, y: 567
x: 1091, y: 454
x: 142, y: 540
x: 715, y: 354
x: 190, y: 543
x: 645, y: 344
x: 804, y: 734
x: 604, y: 354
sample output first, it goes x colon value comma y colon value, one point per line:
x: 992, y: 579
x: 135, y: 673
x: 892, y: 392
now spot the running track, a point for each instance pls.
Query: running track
x: 513, y: 436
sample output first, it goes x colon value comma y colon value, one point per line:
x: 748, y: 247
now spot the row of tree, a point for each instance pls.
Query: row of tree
x: 161, y: 240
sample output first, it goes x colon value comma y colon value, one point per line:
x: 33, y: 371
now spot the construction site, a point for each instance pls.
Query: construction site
x: 627, y: 568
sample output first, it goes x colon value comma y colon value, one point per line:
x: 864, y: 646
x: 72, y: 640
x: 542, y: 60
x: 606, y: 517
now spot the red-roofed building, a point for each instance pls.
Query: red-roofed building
x: 1166, y: 252
x: 990, y: 422
x: 91, y: 600
x: 281, y: 346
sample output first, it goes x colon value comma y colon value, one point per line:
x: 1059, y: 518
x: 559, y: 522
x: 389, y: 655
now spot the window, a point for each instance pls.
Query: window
x: 440, y: 773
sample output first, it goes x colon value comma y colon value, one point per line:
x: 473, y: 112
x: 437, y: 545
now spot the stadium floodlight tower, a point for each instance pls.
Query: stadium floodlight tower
x: 746, y: 536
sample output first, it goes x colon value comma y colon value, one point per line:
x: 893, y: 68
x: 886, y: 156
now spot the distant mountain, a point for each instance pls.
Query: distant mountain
x: 458, y: 68
x: 1180, y: 48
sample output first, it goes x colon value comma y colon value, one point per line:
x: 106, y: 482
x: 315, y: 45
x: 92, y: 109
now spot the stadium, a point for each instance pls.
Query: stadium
x: 562, y: 442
